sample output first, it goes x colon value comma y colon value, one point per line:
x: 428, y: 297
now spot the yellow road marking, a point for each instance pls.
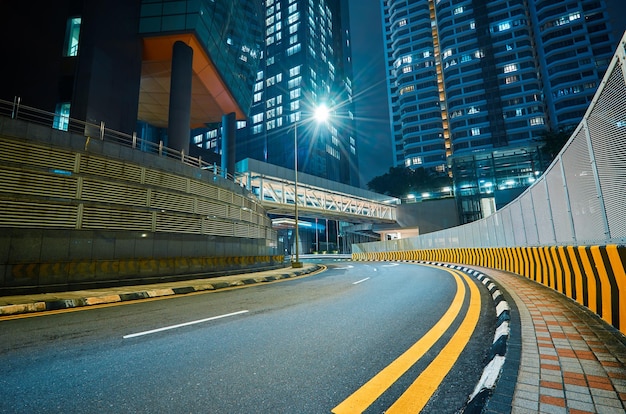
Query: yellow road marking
x: 422, y: 389
x: 375, y: 387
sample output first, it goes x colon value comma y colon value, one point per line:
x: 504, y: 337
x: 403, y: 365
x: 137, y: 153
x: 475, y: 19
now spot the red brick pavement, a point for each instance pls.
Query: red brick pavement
x: 572, y: 362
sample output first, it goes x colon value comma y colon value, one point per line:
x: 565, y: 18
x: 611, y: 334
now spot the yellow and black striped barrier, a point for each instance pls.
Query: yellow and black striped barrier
x: 593, y: 276
x: 108, y: 272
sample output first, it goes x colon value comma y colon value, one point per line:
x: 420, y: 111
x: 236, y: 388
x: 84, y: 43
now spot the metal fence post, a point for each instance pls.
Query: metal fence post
x: 101, y: 130
x: 545, y: 181
x: 567, y: 199
x: 596, y: 179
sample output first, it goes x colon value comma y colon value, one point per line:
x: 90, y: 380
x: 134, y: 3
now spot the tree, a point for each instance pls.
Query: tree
x: 401, y: 181
x: 552, y: 142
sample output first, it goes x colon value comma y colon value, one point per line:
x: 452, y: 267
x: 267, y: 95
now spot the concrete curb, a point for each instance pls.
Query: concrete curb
x: 497, y: 353
x: 247, y: 279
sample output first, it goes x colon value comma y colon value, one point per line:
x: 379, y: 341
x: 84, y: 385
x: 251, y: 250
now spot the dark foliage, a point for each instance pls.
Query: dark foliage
x: 401, y: 181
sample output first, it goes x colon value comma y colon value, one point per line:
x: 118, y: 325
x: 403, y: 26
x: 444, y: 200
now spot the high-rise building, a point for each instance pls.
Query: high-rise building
x: 160, y: 68
x: 305, y: 64
x: 474, y: 84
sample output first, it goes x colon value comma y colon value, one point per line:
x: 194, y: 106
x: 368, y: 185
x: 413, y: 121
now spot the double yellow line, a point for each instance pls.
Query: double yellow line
x: 422, y: 389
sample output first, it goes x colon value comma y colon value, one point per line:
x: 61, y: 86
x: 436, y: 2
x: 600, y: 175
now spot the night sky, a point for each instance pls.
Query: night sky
x: 370, y: 90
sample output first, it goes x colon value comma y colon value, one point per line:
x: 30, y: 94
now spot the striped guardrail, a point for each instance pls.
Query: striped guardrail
x: 82, y: 274
x: 593, y: 276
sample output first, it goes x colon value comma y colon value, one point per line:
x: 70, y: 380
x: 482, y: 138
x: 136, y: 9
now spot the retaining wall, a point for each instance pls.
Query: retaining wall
x: 78, y: 212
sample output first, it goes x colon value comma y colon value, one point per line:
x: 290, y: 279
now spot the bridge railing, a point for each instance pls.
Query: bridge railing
x: 579, y: 200
x: 17, y: 110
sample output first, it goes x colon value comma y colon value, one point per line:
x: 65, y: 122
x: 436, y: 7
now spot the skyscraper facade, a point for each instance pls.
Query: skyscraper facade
x: 305, y: 64
x: 474, y: 84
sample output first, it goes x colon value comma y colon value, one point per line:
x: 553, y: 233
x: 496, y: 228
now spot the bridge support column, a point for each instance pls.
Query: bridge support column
x: 179, y: 119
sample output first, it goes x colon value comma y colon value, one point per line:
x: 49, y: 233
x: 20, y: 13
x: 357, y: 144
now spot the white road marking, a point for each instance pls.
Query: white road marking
x: 360, y: 281
x: 343, y: 268
x: 391, y: 265
x: 180, y: 325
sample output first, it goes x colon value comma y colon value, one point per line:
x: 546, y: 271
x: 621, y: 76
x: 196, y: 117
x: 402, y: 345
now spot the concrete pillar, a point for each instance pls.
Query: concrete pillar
x: 180, y: 97
x: 229, y: 129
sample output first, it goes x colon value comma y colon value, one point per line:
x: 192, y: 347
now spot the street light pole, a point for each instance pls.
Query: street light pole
x: 297, y: 263
x: 321, y: 114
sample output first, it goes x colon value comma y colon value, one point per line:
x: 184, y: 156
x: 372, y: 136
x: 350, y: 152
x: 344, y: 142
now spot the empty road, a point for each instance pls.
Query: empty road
x: 358, y: 337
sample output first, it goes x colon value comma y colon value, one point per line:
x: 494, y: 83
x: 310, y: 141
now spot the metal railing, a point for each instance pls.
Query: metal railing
x: 16, y: 110
x: 579, y: 200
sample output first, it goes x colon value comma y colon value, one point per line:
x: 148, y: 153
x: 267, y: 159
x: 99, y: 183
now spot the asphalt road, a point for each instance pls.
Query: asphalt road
x: 308, y: 345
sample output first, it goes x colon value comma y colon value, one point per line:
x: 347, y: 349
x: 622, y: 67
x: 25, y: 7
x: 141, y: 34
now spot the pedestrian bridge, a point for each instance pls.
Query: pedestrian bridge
x: 317, y: 198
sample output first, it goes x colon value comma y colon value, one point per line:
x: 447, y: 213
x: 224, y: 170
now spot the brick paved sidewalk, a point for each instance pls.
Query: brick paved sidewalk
x: 571, y: 362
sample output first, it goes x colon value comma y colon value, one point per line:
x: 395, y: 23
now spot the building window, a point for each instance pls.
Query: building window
x: 294, y: 49
x: 475, y: 131
x: 61, y: 116
x: 72, y: 33
x: 294, y: 71
x: 257, y: 118
x: 511, y: 68
x: 294, y: 94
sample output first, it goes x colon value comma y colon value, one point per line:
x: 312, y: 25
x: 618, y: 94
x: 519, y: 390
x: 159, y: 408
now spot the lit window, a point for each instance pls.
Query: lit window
x: 295, y: 82
x: 72, y: 33
x: 407, y: 89
x: 513, y: 67
x: 293, y: 18
x: 511, y: 79
x: 294, y: 49
x: 537, y: 121
x: 62, y: 116
x: 294, y: 71
x: 402, y: 23
x: 504, y: 26
x: 257, y: 118
x: 475, y: 131
x: 458, y: 10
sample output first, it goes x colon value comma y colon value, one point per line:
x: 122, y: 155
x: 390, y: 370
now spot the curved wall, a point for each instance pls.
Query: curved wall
x: 80, y: 212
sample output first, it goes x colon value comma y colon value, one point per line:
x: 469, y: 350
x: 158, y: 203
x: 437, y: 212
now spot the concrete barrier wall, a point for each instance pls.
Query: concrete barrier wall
x: 78, y: 213
x: 593, y: 276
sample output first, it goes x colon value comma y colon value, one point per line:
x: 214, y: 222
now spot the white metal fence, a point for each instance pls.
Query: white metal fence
x: 579, y: 200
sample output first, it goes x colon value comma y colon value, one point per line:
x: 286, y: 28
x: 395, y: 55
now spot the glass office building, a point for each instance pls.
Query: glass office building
x: 305, y: 63
x: 473, y: 80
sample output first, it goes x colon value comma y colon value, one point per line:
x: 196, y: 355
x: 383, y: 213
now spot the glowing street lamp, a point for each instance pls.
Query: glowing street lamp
x: 321, y: 114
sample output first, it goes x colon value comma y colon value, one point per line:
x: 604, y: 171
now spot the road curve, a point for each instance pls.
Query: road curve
x: 360, y: 337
